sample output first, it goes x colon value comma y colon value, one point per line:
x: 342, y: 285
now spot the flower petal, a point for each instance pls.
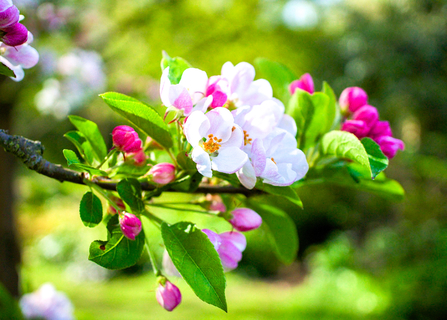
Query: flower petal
x: 195, y: 81
x: 229, y: 160
x: 203, y: 161
x: 247, y: 176
x: 196, y: 127
x: 221, y: 123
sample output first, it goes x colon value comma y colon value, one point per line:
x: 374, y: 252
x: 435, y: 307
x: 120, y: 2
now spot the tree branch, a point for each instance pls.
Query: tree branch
x: 31, y: 154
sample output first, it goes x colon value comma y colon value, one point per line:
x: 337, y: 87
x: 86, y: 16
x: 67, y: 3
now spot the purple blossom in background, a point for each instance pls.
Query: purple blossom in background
x: 46, y: 303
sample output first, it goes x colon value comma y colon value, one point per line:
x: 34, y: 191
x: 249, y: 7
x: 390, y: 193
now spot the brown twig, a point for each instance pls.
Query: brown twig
x: 31, y: 154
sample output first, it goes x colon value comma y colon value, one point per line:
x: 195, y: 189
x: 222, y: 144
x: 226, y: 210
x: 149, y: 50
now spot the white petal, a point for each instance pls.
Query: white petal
x: 288, y: 123
x: 221, y: 123
x: 258, y: 157
x: 259, y: 91
x: 229, y: 160
x: 242, y: 79
x: 247, y: 176
x: 285, y: 176
x: 203, y: 104
x: 165, y: 84
x: 196, y: 127
x: 236, y: 139
x: 195, y: 81
x: 202, y: 159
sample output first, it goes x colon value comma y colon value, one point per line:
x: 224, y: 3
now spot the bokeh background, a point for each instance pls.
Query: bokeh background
x: 361, y: 256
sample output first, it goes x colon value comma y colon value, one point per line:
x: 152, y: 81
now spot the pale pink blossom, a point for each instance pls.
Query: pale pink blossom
x: 168, y: 295
x: 245, y: 219
x: 163, y: 173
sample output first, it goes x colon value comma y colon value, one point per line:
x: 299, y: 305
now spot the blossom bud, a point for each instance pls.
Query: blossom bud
x: 236, y: 238
x: 381, y: 128
x: 305, y: 83
x: 214, y: 238
x: 139, y: 158
x: 214, y: 203
x: 126, y: 139
x: 168, y: 295
x: 390, y: 145
x: 356, y: 127
x: 163, y: 173
x: 352, y: 98
x: 368, y: 114
x: 8, y: 16
x: 16, y: 35
x: 244, y: 219
x: 130, y: 225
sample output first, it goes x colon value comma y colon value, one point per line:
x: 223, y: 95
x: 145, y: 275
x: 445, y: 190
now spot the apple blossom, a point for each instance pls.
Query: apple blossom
x: 305, y: 83
x: 390, y: 145
x: 245, y: 219
x: 216, y: 141
x: 168, y: 295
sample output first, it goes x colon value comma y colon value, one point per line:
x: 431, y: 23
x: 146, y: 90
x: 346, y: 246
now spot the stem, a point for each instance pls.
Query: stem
x: 153, y: 218
x: 157, y: 271
x: 103, y: 193
x: 172, y: 158
x: 111, y: 153
x: 182, y: 209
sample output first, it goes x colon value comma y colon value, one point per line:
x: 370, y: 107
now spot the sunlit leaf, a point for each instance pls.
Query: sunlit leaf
x: 90, y: 210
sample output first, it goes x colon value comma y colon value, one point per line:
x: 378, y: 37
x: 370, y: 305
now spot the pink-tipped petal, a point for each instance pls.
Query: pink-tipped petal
x: 9, y: 17
x: 16, y: 35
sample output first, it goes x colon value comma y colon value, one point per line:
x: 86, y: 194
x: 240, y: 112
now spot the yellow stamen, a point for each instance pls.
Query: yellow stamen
x: 273, y: 160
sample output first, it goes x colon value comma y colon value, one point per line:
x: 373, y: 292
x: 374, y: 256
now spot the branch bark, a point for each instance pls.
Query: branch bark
x: 31, y: 154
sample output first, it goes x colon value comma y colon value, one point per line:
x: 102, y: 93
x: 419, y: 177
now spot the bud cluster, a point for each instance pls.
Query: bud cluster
x: 364, y: 121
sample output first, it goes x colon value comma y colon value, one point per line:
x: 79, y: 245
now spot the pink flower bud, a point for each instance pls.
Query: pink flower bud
x: 356, y: 127
x: 163, y: 173
x: 168, y: 296
x: 130, y: 225
x: 9, y: 16
x: 215, y: 203
x: 229, y: 255
x: 305, y: 83
x: 236, y: 238
x: 139, y: 158
x: 126, y: 139
x: 390, y: 145
x: 16, y: 35
x: 214, y: 238
x: 381, y: 128
x: 352, y: 98
x: 368, y: 114
x: 245, y: 219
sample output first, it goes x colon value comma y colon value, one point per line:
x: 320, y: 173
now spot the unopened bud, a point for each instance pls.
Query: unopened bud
x: 245, y: 219
x: 368, y: 114
x: 356, y: 127
x: 16, y: 35
x: 352, y: 98
x: 130, y: 225
x: 381, y: 128
x: 126, y: 139
x: 305, y: 83
x: 390, y: 145
x: 8, y: 16
x: 163, y: 173
x: 168, y: 295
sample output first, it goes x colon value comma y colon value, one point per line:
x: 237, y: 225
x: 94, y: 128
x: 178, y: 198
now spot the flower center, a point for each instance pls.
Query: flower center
x: 246, y: 139
x: 212, y: 145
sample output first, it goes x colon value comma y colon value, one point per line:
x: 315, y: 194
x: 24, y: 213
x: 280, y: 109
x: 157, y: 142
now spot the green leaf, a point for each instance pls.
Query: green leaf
x: 286, y: 192
x: 74, y: 162
x: 190, y: 183
x: 197, y: 261
x: 345, y: 145
x: 377, y: 160
x: 6, y: 71
x: 83, y: 146
x: 140, y: 115
x: 186, y: 162
x: 176, y: 67
x: 130, y: 191
x: 91, y: 133
x: 279, y: 76
x: 118, y: 252
x: 231, y: 178
x: 333, y: 111
x: 126, y: 169
x: 282, y: 231
x: 90, y: 210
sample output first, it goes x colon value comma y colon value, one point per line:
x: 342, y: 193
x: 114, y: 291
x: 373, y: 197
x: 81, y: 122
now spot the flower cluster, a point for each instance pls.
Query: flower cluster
x: 364, y: 121
x: 15, y: 51
x: 234, y: 125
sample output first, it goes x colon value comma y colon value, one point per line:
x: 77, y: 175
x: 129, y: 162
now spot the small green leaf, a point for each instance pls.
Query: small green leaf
x: 140, y: 115
x: 344, y: 145
x: 197, y: 261
x: 91, y: 133
x: 377, y: 160
x: 286, y: 192
x: 282, y: 231
x: 118, y: 252
x: 130, y: 191
x: 6, y: 71
x: 90, y: 210
x: 279, y: 76
x: 176, y: 67
x: 71, y: 157
x: 130, y: 170
x: 83, y: 146
x: 74, y: 162
x: 333, y: 111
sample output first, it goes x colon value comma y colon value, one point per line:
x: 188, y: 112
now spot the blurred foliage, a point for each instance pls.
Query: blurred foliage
x: 395, y: 50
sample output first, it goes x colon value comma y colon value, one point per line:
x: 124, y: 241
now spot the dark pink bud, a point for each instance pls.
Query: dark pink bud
x: 126, y: 139
x: 305, y: 83
x: 163, y: 173
x: 381, y: 128
x: 368, y: 114
x: 130, y: 225
x: 9, y: 17
x: 214, y: 238
x: 245, y: 219
x: 352, y: 98
x: 168, y: 295
x: 139, y: 158
x: 390, y: 145
x: 5, y: 4
x: 15, y: 35
x: 356, y: 127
